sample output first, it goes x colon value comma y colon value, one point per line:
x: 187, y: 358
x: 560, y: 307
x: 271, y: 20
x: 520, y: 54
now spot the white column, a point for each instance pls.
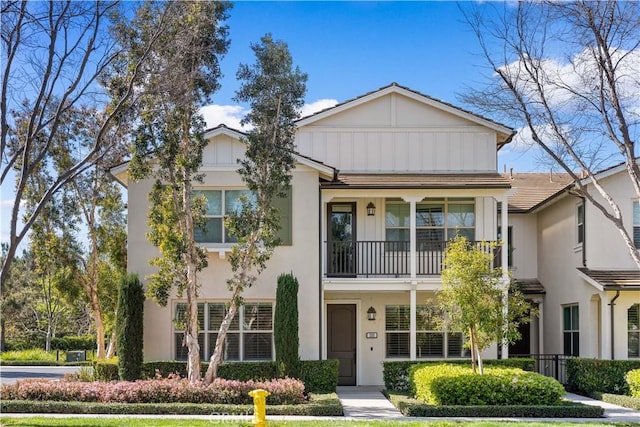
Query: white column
x: 504, y: 224
x: 412, y: 324
x: 413, y: 266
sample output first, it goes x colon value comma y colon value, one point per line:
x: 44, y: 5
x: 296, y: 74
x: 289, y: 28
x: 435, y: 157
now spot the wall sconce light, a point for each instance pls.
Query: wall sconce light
x: 371, y: 313
x: 371, y: 209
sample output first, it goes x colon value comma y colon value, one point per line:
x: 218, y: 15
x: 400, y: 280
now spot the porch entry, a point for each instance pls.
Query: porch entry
x: 341, y: 340
x: 341, y: 240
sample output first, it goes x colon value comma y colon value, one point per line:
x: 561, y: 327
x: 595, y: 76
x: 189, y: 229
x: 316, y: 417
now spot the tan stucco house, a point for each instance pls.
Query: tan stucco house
x: 381, y: 182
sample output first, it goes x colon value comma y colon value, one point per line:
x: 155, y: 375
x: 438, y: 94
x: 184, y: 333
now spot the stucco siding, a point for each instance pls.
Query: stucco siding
x: 525, y: 246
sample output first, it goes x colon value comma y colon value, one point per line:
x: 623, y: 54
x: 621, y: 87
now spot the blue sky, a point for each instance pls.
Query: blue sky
x: 351, y: 48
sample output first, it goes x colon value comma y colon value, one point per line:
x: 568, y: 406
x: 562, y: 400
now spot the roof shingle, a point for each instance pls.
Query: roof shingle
x: 418, y: 181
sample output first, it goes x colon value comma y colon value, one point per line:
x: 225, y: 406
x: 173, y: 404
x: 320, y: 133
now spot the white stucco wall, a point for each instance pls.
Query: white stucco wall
x: 525, y: 245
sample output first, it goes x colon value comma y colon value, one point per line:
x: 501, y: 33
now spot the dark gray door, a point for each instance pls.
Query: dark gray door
x: 341, y: 340
x: 341, y: 239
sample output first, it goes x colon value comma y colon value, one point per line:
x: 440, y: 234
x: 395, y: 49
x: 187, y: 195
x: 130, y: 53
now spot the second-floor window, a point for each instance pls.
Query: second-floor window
x: 636, y: 224
x: 437, y: 219
x: 580, y: 223
x: 221, y: 203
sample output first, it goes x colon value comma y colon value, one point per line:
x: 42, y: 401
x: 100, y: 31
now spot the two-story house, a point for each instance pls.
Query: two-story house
x: 589, y: 286
x: 381, y: 182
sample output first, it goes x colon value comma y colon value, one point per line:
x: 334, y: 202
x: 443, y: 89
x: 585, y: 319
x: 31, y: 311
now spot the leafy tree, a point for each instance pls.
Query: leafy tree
x: 568, y: 71
x: 129, y: 327
x: 55, y: 58
x: 473, y: 298
x: 285, y: 326
x: 275, y: 93
x: 180, y: 78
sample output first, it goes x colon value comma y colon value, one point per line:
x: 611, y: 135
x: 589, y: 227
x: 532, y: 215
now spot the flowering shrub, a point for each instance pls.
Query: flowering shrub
x: 284, y: 391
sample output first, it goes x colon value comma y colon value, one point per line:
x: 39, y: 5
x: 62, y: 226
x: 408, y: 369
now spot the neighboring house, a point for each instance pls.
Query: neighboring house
x: 381, y: 182
x: 588, y: 284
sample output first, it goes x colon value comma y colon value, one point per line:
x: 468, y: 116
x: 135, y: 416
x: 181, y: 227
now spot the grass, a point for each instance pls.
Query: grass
x: 35, y: 354
x: 116, y: 422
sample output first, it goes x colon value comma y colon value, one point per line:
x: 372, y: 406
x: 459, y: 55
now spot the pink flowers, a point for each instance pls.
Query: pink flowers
x: 284, y: 391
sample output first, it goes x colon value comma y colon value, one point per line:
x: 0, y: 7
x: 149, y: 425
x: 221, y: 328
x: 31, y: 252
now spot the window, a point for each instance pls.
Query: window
x: 220, y: 203
x: 636, y: 224
x: 571, y: 330
x: 250, y: 335
x: 437, y: 220
x: 397, y: 330
x: 431, y: 340
x: 510, y: 247
x: 580, y: 223
x: 633, y: 331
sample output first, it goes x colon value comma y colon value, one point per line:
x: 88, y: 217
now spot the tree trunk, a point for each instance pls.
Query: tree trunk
x: 111, y: 350
x: 216, y: 357
x: 2, y: 335
x: 47, y: 341
x: 472, y: 348
x: 97, y: 318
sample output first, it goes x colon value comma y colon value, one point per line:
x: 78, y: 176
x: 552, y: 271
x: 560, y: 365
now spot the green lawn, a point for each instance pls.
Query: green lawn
x: 116, y: 422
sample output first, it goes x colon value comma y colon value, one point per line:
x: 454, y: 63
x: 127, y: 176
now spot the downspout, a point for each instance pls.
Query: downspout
x: 612, y: 305
x: 584, y: 233
x: 320, y: 271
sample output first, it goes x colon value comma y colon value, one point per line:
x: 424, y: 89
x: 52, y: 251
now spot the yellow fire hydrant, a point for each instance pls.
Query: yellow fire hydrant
x: 259, y: 406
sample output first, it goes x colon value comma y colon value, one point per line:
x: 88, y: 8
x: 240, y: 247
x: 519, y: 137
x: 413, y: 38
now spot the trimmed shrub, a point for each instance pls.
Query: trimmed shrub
x: 319, y: 376
x: 105, y: 370
x: 34, y: 354
x: 284, y: 391
x: 129, y: 324
x: 285, y: 326
x: 74, y: 342
x: 456, y: 385
x: 322, y: 405
x: 619, y: 399
x: 633, y: 380
x: 396, y: 374
x: 587, y: 376
x: 245, y: 371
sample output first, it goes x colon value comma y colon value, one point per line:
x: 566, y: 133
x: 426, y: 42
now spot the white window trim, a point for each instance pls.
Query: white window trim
x: 577, y: 243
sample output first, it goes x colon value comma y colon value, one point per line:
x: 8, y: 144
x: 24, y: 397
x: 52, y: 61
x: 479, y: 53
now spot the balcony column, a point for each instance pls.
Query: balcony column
x: 504, y: 254
x: 412, y: 323
x: 413, y: 264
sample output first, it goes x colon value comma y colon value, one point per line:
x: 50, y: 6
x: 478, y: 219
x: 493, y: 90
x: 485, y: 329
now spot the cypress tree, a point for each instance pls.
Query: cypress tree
x: 129, y: 316
x: 285, y: 326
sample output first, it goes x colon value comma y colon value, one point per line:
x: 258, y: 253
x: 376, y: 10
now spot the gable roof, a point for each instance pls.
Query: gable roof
x: 505, y: 133
x: 119, y: 171
x: 532, y: 190
x: 616, y: 280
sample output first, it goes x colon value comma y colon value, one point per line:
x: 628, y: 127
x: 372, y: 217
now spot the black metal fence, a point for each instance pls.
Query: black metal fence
x: 550, y: 365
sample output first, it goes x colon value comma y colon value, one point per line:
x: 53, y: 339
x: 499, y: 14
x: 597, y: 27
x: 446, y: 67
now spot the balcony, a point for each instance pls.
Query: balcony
x: 389, y: 259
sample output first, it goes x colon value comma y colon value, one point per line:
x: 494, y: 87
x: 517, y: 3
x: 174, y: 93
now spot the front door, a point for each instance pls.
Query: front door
x: 341, y: 340
x: 341, y: 239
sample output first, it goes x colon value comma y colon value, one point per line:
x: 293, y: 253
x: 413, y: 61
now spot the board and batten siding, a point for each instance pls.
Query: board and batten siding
x: 397, y: 134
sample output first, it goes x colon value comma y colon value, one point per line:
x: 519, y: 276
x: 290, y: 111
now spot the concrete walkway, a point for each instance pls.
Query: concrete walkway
x: 367, y: 402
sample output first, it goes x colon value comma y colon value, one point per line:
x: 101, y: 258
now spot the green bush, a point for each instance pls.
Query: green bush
x: 446, y: 384
x: 633, y: 380
x: 322, y: 405
x: 396, y: 374
x: 413, y: 408
x: 106, y: 370
x: 285, y: 326
x: 74, y: 342
x: 619, y: 399
x: 245, y: 371
x: 129, y: 324
x: 587, y: 376
x: 319, y: 376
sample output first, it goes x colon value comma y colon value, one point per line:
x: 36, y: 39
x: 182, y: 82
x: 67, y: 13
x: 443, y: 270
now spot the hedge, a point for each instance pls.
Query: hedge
x: 446, y: 384
x: 619, y: 399
x: 318, y: 405
x: 74, y: 342
x: 587, y: 376
x: 413, y: 408
x: 396, y: 373
x: 318, y: 376
x: 633, y: 380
